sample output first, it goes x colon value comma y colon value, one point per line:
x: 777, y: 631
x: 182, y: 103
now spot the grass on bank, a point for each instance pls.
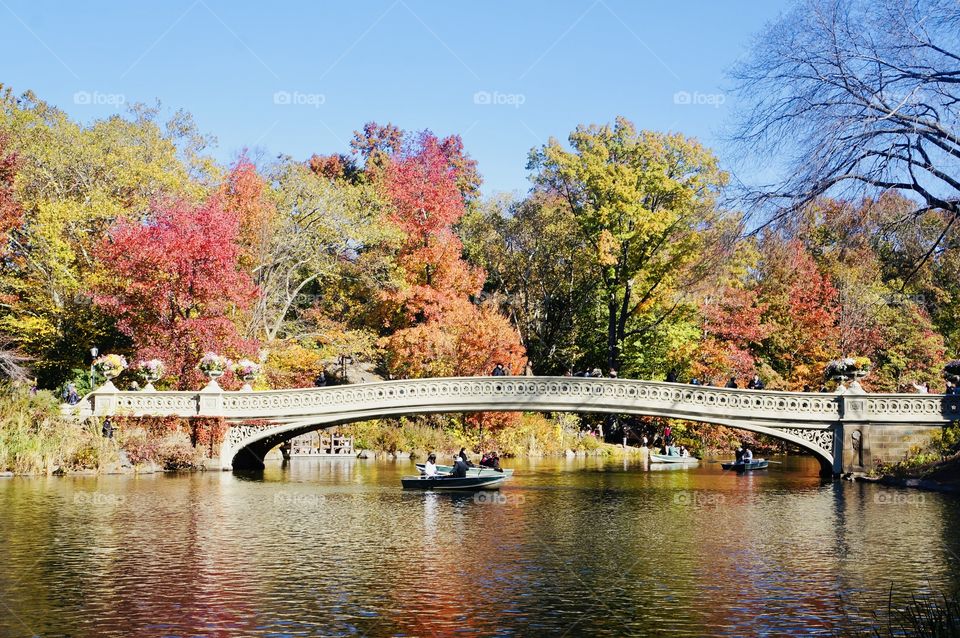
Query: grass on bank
x: 35, y: 438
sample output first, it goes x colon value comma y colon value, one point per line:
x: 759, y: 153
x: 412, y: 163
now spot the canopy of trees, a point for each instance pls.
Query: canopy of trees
x: 123, y: 234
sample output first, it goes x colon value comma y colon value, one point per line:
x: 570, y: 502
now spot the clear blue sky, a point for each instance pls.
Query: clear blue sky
x: 299, y: 78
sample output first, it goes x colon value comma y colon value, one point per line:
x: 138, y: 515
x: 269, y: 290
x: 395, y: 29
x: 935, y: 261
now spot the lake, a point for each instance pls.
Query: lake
x: 572, y: 547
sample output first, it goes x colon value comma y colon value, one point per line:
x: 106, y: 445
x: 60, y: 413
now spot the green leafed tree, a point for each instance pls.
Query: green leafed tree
x: 645, y: 205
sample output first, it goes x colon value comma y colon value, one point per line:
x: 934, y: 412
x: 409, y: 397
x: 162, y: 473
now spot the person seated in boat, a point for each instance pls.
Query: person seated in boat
x: 747, y: 455
x: 490, y: 459
x: 430, y: 467
x: 463, y: 455
x: 739, y: 454
x: 459, y: 468
x: 684, y: 451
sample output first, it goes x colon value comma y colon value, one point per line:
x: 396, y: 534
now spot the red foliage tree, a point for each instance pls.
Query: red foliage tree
x: 732, y: 325
x: 422, y: 186
x: 173, y: 284
x: 441, y: 331
x: 801, y: 309
x: 11, y: 214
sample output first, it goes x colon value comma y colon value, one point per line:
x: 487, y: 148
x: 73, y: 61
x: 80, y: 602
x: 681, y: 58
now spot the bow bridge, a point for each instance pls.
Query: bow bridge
x: 846, y: 432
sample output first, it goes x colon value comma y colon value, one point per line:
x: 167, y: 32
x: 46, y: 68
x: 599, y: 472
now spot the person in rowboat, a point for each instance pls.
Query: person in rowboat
x: 747, y: 455
x: 459, y: 468
x: 739, y: 454
x: 430, y: 467
x: 463, y: 455
x: 491, y: 460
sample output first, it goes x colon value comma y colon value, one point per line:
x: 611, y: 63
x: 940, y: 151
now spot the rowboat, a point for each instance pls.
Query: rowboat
x: 471, y: 471
x: 451, y: 483
x: 756, y: 464
x: 673, y: 456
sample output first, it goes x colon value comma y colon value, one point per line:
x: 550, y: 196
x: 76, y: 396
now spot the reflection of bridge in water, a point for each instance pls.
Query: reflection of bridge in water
x: 846, y: 432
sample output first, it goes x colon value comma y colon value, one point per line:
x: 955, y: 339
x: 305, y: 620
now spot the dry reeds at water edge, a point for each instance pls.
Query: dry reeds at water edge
x: 36, y: 439
x: 924, y: 615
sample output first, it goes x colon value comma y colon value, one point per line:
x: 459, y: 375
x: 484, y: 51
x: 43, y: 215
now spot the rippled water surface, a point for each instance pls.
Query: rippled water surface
x: 580, y: 547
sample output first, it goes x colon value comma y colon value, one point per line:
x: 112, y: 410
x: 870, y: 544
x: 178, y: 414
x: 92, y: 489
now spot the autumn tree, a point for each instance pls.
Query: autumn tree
x: 174, y: 284
x: 645, y: 206
x: 800, y: 308
x: 11, y: 213
x: 73, y: 181
x: 436, y: 325
x: 532, y: 252
x: 733, y: 327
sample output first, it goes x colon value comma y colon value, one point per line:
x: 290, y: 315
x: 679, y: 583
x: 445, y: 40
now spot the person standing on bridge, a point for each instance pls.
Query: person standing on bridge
x: 528, y: 371
x: 755, y: 383
x: 498, y: 371
x: 732, y: 383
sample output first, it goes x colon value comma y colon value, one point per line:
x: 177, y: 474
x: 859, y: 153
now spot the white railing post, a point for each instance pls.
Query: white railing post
x: 210, y: 400
x: 104, y: 399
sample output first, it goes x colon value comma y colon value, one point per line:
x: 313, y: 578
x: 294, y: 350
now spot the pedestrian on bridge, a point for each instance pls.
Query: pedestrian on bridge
x: 498, y: 370
x: 732, y: 383
x: 755, y: 383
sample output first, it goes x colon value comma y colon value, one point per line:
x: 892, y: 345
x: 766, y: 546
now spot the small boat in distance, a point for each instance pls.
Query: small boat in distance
x: 486, y: 482
x: 477, y: 470
x: 746, y: 466
x: 673, y: 456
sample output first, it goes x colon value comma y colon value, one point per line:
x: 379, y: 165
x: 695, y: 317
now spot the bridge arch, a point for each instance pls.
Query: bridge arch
x: 813, y: 417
